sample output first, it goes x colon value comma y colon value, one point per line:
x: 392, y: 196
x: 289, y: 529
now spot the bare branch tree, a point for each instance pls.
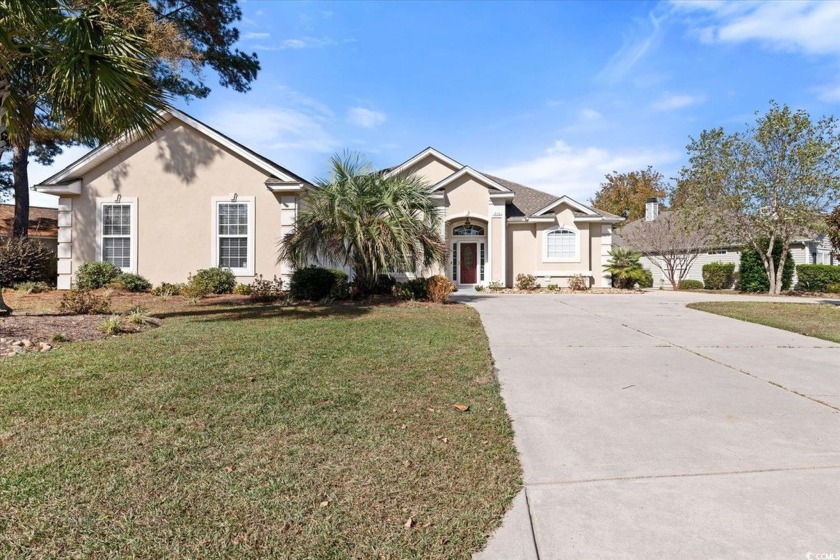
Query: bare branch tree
x: 671, y: 242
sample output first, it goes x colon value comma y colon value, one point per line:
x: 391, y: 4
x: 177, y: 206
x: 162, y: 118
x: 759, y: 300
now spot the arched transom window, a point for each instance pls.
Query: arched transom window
x: 471, y: 229
x: 561, y: 244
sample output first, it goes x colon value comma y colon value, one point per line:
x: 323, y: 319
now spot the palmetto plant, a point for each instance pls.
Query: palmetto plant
x: 372, y: 222
x: 625, y: 267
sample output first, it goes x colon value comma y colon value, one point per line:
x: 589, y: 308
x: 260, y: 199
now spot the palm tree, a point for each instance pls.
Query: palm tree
x: 70, y: 71
x: 372, y: 222
x: 625, y: 267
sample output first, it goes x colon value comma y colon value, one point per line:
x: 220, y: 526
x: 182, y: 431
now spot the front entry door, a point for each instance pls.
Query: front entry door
x: 469, y: 259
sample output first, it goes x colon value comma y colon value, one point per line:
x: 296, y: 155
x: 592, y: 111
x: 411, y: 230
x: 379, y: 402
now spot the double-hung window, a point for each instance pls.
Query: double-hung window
x: 234, y: 234
x: 118, y: 232
x: 561, y: 245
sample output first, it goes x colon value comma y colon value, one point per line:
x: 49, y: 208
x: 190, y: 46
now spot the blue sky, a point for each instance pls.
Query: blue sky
x: 550, y: 94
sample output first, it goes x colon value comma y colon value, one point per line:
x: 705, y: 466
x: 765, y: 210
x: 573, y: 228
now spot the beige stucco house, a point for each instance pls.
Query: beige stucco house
x: 191, y: 198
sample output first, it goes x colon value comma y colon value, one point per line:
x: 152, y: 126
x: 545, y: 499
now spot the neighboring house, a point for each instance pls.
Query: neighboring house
x: 191, y: 198
x: 816, y: 250
x: 43, y: 224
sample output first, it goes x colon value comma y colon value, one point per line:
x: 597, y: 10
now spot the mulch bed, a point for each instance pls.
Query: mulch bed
x: 29, y: 331
x: 562, y: 291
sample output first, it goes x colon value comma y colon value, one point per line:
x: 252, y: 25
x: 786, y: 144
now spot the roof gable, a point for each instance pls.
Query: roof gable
x: 414, y: 160
x: 278, y: 175
x: 478, y: 177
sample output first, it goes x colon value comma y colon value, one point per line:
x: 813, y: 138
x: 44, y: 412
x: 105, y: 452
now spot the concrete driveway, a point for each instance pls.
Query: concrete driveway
x: 649, y: 430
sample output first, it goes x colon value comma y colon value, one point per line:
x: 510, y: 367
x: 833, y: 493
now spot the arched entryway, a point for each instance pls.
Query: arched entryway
x: 468, y: 264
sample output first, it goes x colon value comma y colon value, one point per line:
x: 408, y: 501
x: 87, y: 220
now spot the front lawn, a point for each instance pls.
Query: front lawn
x: 820, y: 321
x: 258, y: 431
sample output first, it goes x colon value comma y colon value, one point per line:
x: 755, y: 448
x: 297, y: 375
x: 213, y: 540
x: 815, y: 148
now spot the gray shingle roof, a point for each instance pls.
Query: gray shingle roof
x: 527, y: 201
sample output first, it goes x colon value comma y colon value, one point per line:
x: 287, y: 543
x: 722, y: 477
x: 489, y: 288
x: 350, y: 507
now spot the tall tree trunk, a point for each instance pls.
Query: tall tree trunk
x: 20, y: 174
x: 4, y: 309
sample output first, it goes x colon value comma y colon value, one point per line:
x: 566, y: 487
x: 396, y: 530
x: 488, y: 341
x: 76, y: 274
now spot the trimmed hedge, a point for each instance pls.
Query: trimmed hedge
x: 314, y: 284
x: 817, y: 277
x: 753, y: 277
x: 690, y: 285
x: 133, y: 283
x: 216, y: 280
x: 718, y: 275
x: 414, y: 289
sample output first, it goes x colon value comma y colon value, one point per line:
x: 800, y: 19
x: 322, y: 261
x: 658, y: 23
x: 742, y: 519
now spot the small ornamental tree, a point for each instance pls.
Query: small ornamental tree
x: 672, y: 242
x: 767, y: 185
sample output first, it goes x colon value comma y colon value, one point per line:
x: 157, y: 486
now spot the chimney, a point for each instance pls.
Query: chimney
x: 651, y: 209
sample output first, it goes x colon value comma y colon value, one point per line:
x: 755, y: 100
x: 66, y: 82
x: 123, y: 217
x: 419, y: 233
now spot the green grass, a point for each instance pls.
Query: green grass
x: 258, y: 432
x: 820, y: 321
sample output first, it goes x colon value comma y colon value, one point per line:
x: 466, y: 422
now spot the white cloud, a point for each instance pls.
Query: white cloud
x: 635, y: 47
x: 587, y: 114
x: 366, y: 118
x: 248, y: 35
x: 829, y: 94
x: 806, y: 26
x: 274, y: 128
x: 306, y: 43
x: 672, y: 102
x: 579, y: 171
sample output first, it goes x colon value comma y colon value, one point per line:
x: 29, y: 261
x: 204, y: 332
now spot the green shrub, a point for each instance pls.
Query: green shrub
x: 495, y: 286
x: 690, y: 285
x: 133, y: 283
x: 552, y: 287
x: 645, y: 279
x: 265, y: 290
x: 194, y: 289
x: 526, y: 282
x: 816, y: 277
x: 33, y: 287
x: 243, y: 289
x: 833, y: 288
x: 314, y: 284
x: 216, y: 280
x: 416, y: 289
x: 384, y: 284
x: 25, y: 260
x: 165, y: 289
x: 753, y: 277
x: 479, y: 288
x: 84, y: 302
x: 138, y: 315
x: 96, y: 274
x: 718, y: 275
x: 341, y: 285
x: 439, y: 288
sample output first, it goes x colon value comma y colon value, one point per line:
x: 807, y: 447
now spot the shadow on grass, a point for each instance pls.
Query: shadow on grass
x: 236, y: 312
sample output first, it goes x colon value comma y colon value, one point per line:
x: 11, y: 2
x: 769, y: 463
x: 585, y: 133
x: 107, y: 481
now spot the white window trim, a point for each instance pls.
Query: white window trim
x: 214, y: 245
x: 561, y: 227
x: 118, y: 199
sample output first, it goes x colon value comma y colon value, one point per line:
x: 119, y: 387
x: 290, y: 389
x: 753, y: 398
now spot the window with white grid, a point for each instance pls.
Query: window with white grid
x: 233, y: 234
x: 561, y: 245
x: 117, y: 230
x: 232, y: 244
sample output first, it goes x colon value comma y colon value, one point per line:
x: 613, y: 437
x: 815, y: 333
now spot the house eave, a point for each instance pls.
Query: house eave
x: 71, y: 188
